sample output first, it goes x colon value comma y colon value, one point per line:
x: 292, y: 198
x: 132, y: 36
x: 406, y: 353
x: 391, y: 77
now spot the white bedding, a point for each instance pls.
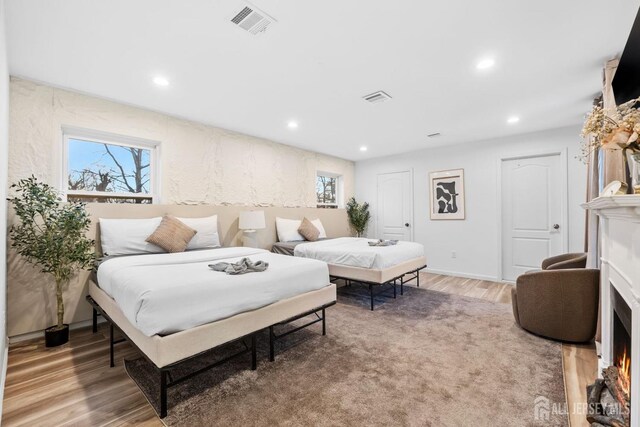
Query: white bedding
x: 356, y: 252
x: 166, y: 293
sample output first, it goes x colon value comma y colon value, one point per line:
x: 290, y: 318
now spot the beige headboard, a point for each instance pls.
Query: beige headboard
x: 30, y: 294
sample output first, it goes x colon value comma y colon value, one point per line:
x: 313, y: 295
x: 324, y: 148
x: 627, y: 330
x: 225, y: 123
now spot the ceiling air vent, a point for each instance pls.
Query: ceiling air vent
x: 379, y: 96
x: 252, y: 19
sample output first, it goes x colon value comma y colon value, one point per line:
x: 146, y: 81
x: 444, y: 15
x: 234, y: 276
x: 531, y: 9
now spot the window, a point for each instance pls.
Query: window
x: 328, y: 190
x: 109, y: 169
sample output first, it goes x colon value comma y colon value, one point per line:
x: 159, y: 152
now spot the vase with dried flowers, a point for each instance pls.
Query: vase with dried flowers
x: 616, y: 129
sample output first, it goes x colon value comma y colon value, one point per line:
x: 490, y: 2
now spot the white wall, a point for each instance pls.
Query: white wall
x: 4, y: 142
x: 199, y: 164
x: 475, y: 239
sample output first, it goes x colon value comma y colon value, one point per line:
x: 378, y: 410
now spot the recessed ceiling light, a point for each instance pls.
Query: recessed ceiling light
x: 485, y: 63
x: 363, y: 148
x: 292, y: 125
x: 161, y: 81
x: 513, y: 119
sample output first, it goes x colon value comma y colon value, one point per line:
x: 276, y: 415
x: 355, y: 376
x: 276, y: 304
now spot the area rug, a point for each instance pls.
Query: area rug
x: 426, y: 359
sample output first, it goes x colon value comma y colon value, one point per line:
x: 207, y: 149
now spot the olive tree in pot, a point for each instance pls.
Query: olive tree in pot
x: 51, y: 235
x: 358, y: 216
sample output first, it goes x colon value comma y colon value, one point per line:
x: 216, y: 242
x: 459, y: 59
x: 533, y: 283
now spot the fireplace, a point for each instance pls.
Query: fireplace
x: 609, y: 398
x: 622, y: 340
x: 619, y: 364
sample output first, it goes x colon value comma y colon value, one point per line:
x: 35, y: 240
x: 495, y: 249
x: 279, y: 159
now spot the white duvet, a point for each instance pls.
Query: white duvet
x: 166, y: 293
x: 356, y: 252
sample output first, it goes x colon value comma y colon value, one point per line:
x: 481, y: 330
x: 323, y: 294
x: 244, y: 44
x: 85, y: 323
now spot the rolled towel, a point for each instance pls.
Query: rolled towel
x: 383, y: 242
x: 245, y: 265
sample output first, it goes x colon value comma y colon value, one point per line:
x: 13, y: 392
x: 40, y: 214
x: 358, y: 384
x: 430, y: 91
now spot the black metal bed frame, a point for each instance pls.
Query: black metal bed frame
x: 165, y: 375
x: 391, y: 282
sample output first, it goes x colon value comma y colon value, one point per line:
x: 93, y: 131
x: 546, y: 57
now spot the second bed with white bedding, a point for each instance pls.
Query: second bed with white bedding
x: 356, y: 252
x: 167, y: 293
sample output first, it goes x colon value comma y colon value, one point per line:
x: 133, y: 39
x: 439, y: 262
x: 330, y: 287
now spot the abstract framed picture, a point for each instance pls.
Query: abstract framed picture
x: 447, y: 194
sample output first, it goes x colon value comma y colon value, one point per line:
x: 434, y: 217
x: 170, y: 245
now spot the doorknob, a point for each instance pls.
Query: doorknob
x: 556, y: 226
x: 406, y: 224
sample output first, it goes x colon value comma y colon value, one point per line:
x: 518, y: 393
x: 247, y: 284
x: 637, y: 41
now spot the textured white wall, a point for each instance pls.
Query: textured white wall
x: 199, y: 164
x: 4, y: 142
x: 475, y: 239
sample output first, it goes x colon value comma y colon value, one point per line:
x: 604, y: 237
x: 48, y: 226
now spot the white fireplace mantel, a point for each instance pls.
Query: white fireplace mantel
x: 620, y: 268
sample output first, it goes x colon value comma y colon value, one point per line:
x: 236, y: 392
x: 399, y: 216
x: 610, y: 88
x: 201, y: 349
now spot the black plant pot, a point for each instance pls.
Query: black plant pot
x: 54, y: 338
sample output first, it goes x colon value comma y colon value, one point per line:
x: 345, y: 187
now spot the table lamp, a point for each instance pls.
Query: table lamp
x: 249, y: 222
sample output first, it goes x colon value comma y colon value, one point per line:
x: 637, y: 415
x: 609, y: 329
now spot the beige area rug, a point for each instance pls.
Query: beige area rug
x: 424, y: 359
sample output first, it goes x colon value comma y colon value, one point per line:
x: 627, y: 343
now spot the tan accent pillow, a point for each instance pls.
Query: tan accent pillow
x: 308, y: 230
x: 172, y: 235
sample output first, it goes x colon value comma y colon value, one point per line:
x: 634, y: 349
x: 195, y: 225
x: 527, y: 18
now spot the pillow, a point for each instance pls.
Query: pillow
x: 207, y: 232
x: 318, y: 224
x: 128, y: 236
x: 287, y: 230
x: 308, y: 230
x: 172, y: 235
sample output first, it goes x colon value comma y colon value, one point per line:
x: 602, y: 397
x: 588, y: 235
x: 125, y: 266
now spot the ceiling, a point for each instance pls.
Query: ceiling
x: 317, y: 62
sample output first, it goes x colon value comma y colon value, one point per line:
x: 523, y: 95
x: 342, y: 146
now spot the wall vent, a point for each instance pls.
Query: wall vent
x: 252, y: 19
x: 378, y: 96
x: 433, y: 135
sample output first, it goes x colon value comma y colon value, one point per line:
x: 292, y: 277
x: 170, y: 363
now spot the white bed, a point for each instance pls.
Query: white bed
x: 167, y: 293
x: 148, y: 296
x: 354, y: 260
x: 356, y: 252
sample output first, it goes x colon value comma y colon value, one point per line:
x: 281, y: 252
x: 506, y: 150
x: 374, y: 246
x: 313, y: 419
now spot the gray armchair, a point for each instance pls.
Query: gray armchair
x: 560, y: 301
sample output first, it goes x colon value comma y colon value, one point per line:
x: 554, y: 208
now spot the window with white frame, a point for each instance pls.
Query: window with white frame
x: 328, y: 190
x: 105, y: 168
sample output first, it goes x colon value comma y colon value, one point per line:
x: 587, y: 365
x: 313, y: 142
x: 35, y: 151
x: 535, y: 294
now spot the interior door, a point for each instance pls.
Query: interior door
x: 395, y: 206
x: 532, y: 213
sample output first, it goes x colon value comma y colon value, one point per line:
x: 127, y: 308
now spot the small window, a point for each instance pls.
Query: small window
x: 328, y: 192
x: 109, y: 169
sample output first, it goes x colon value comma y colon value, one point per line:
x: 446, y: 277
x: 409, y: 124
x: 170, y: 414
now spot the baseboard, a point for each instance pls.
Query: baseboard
x: 40, y: 334
x: 460, y: 274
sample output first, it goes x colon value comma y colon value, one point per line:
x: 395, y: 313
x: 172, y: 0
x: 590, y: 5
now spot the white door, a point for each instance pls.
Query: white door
x: 395, y: 206
x: 532, y: 213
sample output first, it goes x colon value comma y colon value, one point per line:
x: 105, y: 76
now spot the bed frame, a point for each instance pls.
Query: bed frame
x: 387, y: 278
x: 167, y: 352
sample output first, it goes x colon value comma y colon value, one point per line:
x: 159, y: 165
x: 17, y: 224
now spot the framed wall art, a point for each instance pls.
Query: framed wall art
x: 446, y: 190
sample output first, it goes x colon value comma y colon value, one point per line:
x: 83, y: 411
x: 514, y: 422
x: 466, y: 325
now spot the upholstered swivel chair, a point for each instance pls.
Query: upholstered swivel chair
x: 560, y: 301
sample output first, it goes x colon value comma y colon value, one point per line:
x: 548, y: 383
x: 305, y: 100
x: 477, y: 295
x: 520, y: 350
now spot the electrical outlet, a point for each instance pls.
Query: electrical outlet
x: 453, y: 254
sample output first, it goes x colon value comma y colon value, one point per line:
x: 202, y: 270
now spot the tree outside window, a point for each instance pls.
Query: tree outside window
x: 327, y: 191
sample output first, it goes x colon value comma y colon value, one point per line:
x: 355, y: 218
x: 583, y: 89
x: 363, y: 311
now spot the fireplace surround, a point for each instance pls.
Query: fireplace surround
x: 620, y: 288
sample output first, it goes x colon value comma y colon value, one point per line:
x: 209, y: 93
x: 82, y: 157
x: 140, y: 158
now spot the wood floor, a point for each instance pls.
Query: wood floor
x: 74, y: 386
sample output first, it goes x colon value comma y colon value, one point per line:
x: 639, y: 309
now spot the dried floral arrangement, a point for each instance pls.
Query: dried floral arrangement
x: 601, y: 129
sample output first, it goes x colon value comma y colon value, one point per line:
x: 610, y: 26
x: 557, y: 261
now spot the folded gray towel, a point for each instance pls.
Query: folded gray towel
x: 383, y: 242
x: 245, y: 265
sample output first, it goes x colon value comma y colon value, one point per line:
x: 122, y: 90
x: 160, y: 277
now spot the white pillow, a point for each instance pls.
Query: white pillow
x: 287, y: 229
x: 127, y: 236
x: 206, y: 232
x: 318, y: 224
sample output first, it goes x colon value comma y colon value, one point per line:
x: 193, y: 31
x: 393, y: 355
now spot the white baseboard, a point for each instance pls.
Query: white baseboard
x: 460, y: 274
x: 40, y: 334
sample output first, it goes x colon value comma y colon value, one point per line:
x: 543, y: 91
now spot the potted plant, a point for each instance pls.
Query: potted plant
x: 358, y: 216
x: 52, y: 236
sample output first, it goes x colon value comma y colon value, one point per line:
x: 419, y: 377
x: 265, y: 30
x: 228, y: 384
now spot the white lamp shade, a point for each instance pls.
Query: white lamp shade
x: 251, y: 220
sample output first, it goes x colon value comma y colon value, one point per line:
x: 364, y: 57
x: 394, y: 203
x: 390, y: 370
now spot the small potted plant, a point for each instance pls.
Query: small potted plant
x: 52, y: 236
x: 358, y: 216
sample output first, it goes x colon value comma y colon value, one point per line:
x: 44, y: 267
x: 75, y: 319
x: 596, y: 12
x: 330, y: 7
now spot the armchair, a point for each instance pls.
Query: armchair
x: 558, y: 302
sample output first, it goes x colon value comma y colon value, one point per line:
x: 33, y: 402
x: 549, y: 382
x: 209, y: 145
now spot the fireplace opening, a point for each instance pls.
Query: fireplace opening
x: 622, y: 341
x: 609, y: 397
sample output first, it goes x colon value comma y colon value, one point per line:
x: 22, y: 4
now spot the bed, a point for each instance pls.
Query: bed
x: 173, y: 307
x: 354, y: 261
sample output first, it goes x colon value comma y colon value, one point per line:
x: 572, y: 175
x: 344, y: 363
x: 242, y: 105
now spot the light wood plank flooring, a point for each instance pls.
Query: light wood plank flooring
x: 74, y: 385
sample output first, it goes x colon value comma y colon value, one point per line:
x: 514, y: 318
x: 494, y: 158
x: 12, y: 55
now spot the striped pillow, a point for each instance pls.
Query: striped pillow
x: 172, y: 235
